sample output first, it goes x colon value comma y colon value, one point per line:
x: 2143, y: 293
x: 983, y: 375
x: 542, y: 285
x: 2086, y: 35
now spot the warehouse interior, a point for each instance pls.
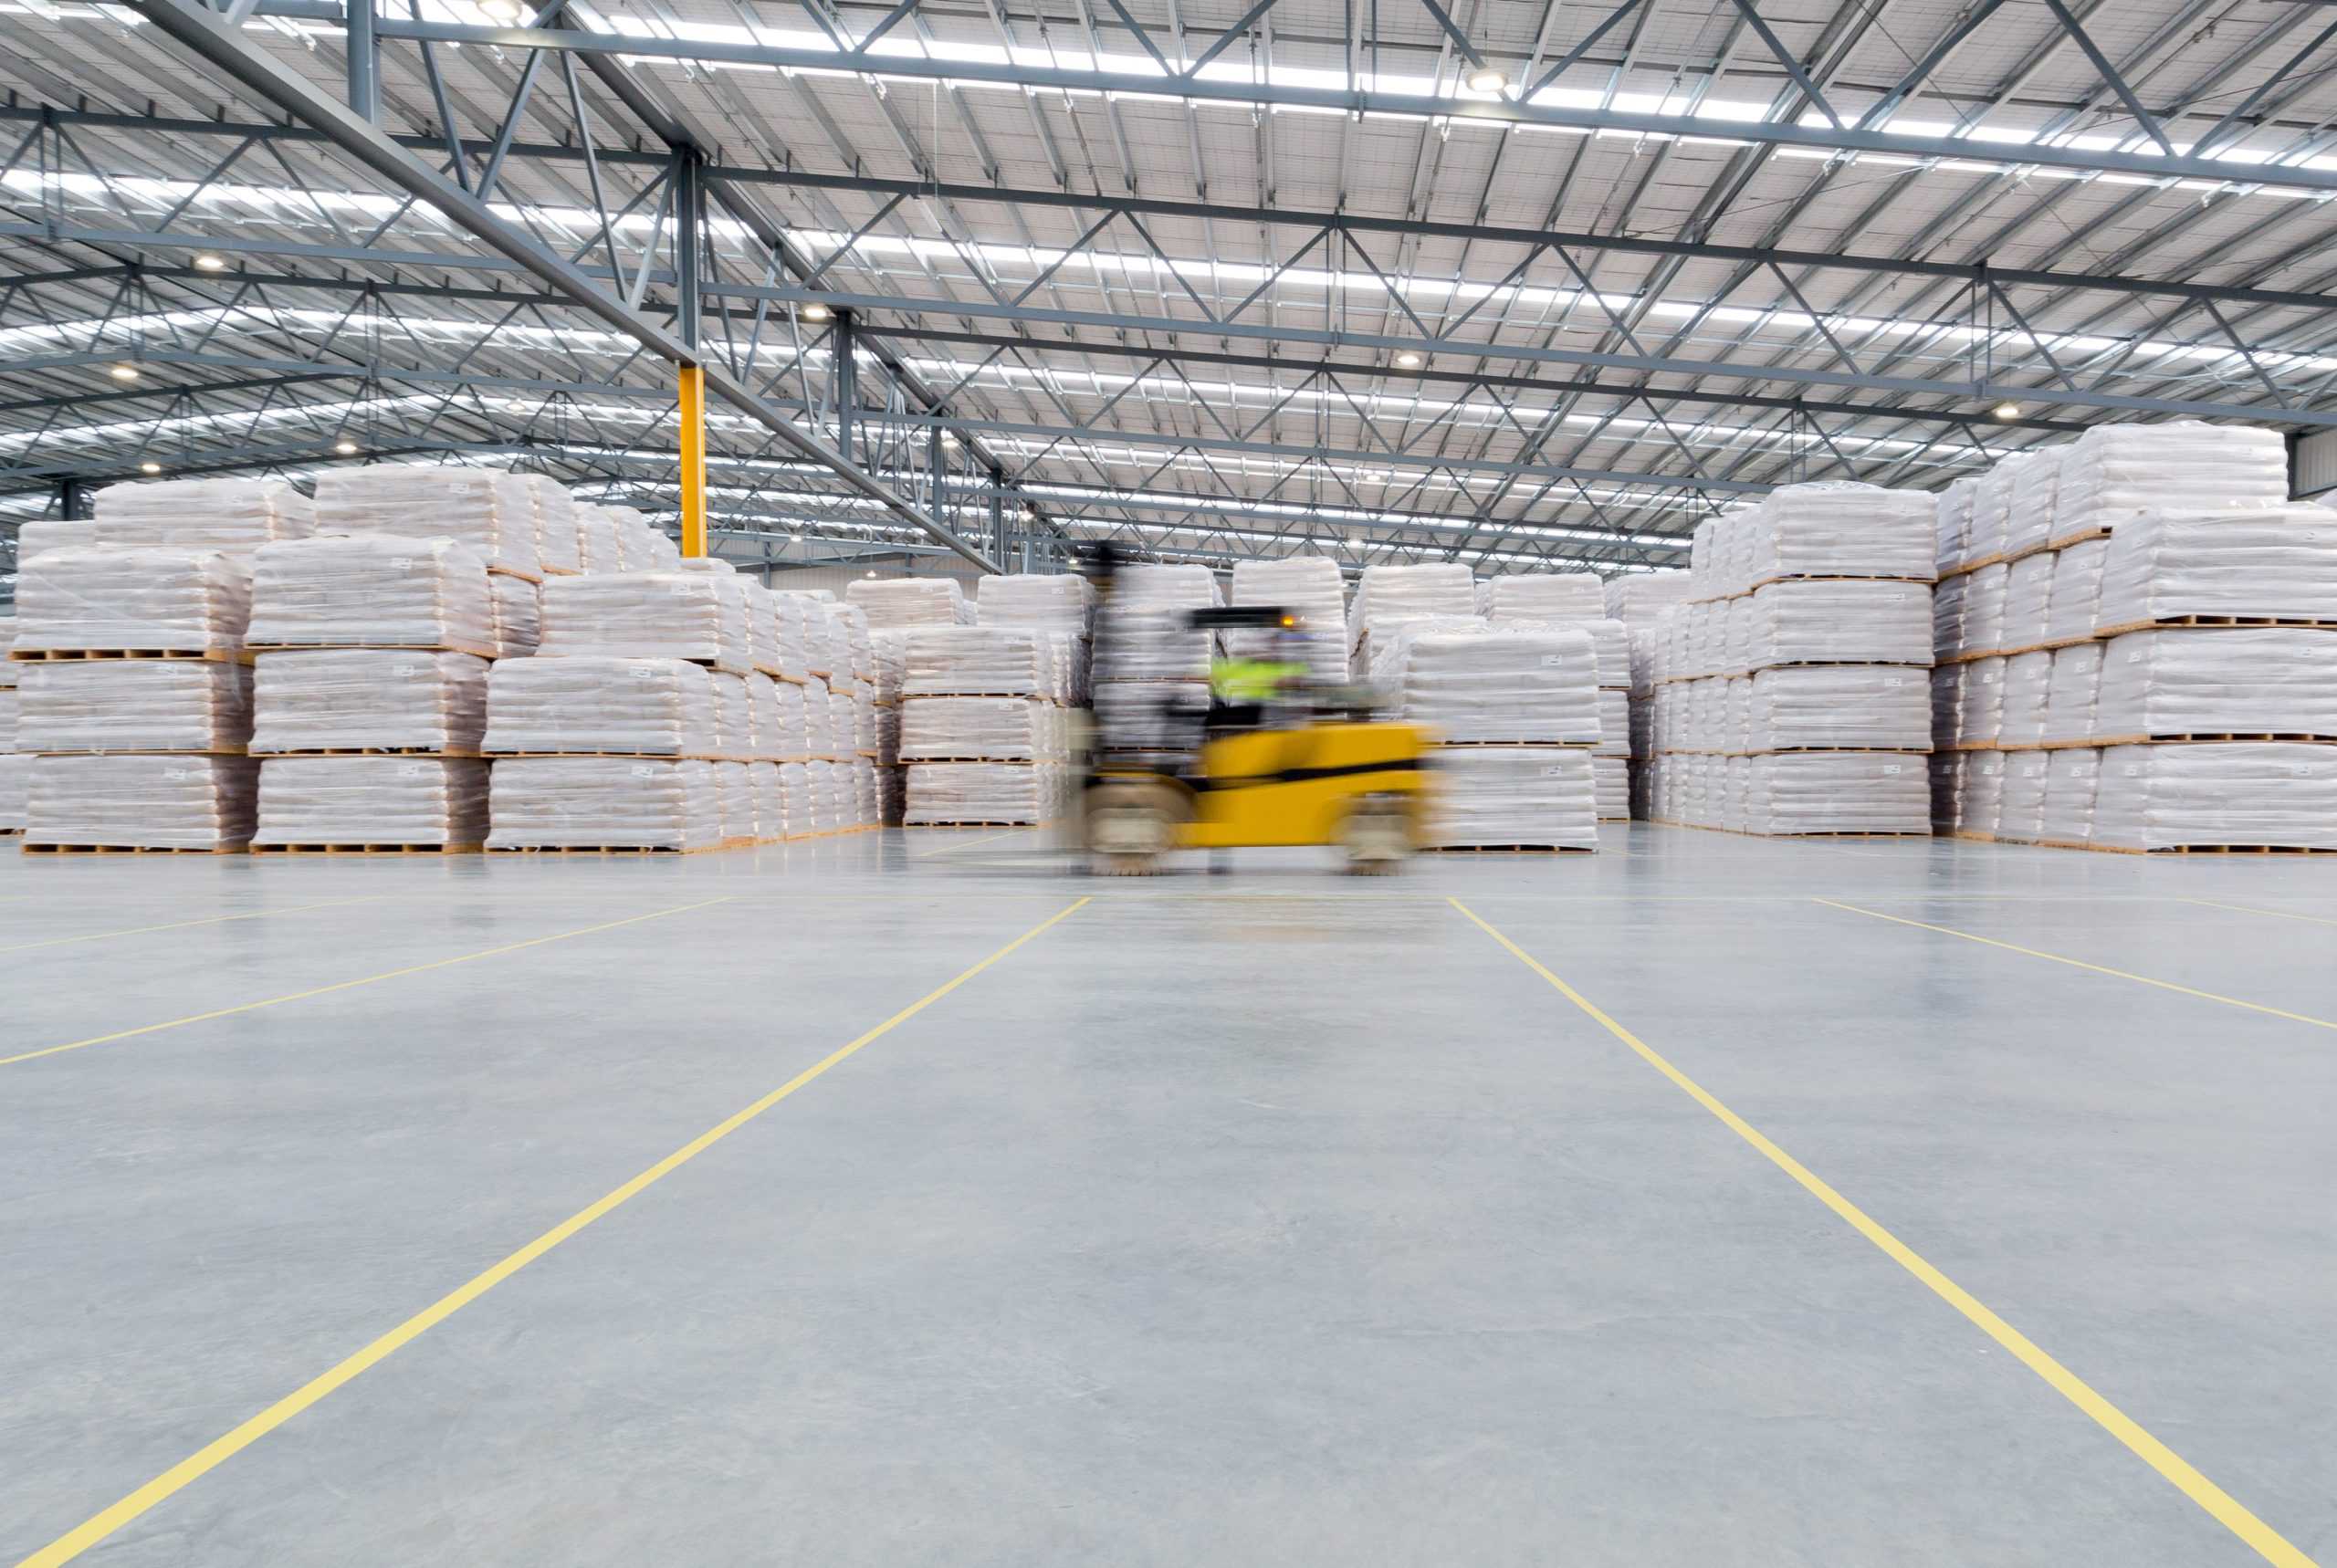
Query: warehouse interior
x: 909, y: 781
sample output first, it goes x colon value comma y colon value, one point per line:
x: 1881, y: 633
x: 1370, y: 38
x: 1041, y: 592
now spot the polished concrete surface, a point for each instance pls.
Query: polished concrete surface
x: 1273, y: 1217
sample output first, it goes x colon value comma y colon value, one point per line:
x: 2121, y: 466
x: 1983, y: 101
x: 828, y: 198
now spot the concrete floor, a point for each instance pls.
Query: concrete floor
x: 1271, y: 1218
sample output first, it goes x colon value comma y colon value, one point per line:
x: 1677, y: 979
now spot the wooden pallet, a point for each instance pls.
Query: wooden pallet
x: 146, y: 751
x: 2089, y: 535
x: 365, y: 849
x: 185, y: 655
x: 32, y: 849
x: 600, y: 849
x: 2234, y: 849
x: 473, y: 649
x: 1848, y: 833
x: 619, y: 756
x: 1513, y: 849
x: 1969, y: 566
x: 452, y: 753
x: 1513, y: 745
x: 1000, y: 761
x: 2198, y: 737
x: 2180, y: 622
x: 535, y: 577
x: 971, y: 822
x: 1836, y: 577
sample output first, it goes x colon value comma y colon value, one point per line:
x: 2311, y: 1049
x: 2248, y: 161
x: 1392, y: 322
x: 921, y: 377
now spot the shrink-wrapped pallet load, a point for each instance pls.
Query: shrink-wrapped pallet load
x: 1810, y: 621
x: 131, y: 705
x: 1310, y: 589
x: 1151, y: 644
x: 2265, y: 564
x: 604, y: 803
x: 897, y: 603
x: 141, y: 801
x: 976, y: 661
x: 1475, y: 685
x: 735, y: 804
x: 489, y: 512
x: 2025, y: 611
x: 1952, y: 519
x: 1062, y: 602
x: 1514, y: 797
x: 637, y: 708
x: 1980, y: 703
x: 317, y: 802
x: 1640, y: 599
x: 1611, y: 787
x: 2027, y: 689
x: 2072, y: 779
x: 1547, y: 596
x: 369, y: 699
x: 516, y: 617
x: 947, y: 794
x: 376, y: 590
x: 1841, y: 708
x: 1991, y: 526
x: 1390, y: 596
x: 2266, y: 682
x: 552, y: 512
x: 13, y: 765
x: 235, y: 516
x: 992, y: 729
x: 2029, y: 520
x: 2115, y: 473
x: 132, y: 597
x: 1838, y: 528
x: 649, y: 615
x: 1983, y: 634
x: 600, y: 542
x: 1800, y: 792
x: 770, y: 801
x: 2070, y: 695
x: 2020, y: 808
x: 1154, y: 585
x: 2221, y: 796
x: 734, y: 718
x: 2076, y: 595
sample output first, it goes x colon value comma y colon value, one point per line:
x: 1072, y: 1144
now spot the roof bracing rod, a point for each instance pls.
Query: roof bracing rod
x: 216, y: 42
x: 1229, y: 88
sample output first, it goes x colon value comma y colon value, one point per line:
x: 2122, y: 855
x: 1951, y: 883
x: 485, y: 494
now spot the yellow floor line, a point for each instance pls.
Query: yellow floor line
x: 2268, y: 1543
x: 351, y: 985
x: 2245, y: 909
x: 99, y: 1526
x: 2082, y: 964
x: 182, y: 924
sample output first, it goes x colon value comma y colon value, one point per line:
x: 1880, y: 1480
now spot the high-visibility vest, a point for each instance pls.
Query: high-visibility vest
x: 1252, y: 680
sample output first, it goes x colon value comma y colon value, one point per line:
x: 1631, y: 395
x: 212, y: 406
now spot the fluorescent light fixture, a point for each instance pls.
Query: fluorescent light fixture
x: 1408, y: 360
x: 345, y: 446
x: 205, y: 261
x: 150, y: 466
x: 124, y: 372
x: 1486, y: 79
x: 2006, y: 410
x: 815, y: 311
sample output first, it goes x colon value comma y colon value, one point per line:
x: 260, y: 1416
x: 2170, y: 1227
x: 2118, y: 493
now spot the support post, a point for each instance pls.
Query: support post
x: 364, y: 63
x: 998, y: 516
x: 693, y: 392
x: 847, y: 381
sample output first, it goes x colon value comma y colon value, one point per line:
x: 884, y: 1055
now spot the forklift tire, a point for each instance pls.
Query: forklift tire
x: 1376, y: 834
x: 1129, y: 826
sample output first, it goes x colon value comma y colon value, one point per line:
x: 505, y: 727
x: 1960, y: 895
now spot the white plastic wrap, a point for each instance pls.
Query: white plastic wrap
x: 895, y: 603
x: 516, y: 614
x: 2020, y: 808
x: 552, y: 511
x: 372, y: 800
x: 642, y: 707
x: 992, y: 729
x: 143, y: 802
x: 1947, y: 616
x: 691, y: 615
x: 781, y: 735
x: 839, y: 668
x: 1610, y: 779
x: 474, y: 507
x: 2229, y: 794
x: 734, y: 790
x: 843, y: 726
x: 2028, y: 687
x: 1984, y: 792
x: 1947, y: 706
x: 1980, y: 702
x: 2029, y: 522
x: 1947, y: 793
x: 1480, y: 685
x: 36, y: 536
x: 1639, y: 598
x: 2115, y: 473
x: 1061, y: 601
x: 599, y: 543
x: 1837, y: 792
x: 603, y: 803
x: 827, y: 800
x: 888, y: 654
x: 1953, y: 519
x: 134, y: 705
x: 361, y: 699
x: 133, y: 597
x: 371, y: 591
x: 1841, y: 528
x: 232, y: 515
x: 1016, y: 793
x: 2072, y: 694
x: 1841, y: 623
x: 2027, y: 604
x: 2271, y: 561
x: 1514, y: 796
x: 15, y: 779
x: 977, y: 660
x: 734, y: 718
x: 1992, y: 509
x: 2076, y: 592
x: 2072, y: 777
x: 1841, y: 708
x: 817, y: 718
x: 1984, y: 612
x: 787, y: 634
x: 1614, y: 722
x: 644, y: 547
x: 1155, y: 644
x: 770, y: 800
x: 1547, y: 596
x: 2272, y: 682
x: 1152, y: 585
x: 1387, y: 596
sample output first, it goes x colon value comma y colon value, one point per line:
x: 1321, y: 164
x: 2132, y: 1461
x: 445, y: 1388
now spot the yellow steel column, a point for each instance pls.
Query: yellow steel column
x: 693, y: 460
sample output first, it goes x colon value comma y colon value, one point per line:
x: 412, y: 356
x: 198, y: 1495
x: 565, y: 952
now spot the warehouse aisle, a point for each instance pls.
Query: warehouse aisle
x: 1266, y: 1217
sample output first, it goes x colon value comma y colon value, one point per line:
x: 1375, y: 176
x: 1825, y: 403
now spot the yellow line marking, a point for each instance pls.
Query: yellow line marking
x: 182, y: 924
x: 2082, y: 964
x: 2248, y: 909
x: 349, y: 985
x: 99, y: 1526
x: 2268, y: 1543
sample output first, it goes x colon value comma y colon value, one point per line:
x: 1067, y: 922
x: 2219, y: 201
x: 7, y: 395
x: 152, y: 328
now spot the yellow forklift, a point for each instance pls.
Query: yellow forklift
x: 1311, y: 765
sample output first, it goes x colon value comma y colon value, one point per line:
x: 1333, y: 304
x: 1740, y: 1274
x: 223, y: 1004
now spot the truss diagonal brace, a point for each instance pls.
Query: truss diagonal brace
x: 204, y: 35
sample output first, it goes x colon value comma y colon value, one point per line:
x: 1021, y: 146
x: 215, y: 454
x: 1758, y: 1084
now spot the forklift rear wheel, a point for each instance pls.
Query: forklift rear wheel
x: 1376, y: 834
x: 1129, y: 826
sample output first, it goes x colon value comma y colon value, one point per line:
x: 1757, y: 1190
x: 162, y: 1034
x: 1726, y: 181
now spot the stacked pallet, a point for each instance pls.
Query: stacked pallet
x: 889, y: 657
x: 639, y: 724
x: 1513, y: 709
x: 134, y: 698
x: 1791, y: 693
x: 1388, y: 597
x: 1578, y: 599
x: 983, y: 735
x: 1313, y: 592
x: 2183, y: 694
x: 1062, y: 602
x: 898, y: 603
x: 1638, y: 601
x: 13, y: 764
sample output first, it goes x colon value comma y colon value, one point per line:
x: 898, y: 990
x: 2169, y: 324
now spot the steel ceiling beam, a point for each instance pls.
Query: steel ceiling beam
x: 215, y: 41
